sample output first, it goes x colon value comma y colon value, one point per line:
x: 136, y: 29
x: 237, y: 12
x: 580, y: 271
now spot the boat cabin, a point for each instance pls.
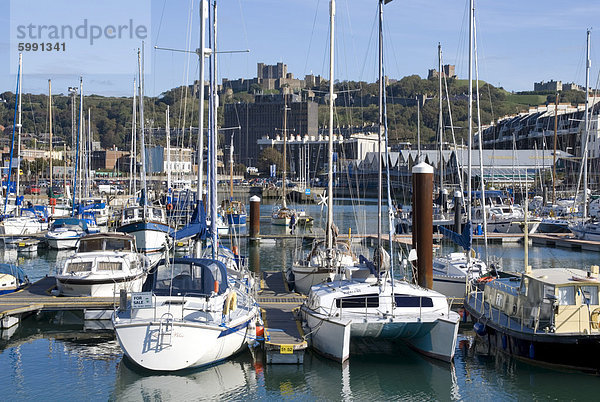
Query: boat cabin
x: 136, y: 214
x: 100, y: 242
x: 189, y: 276
x: 555, y: 300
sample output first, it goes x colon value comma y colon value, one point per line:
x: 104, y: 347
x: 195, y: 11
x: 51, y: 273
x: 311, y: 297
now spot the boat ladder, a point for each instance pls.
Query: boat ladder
x: 165, y: 329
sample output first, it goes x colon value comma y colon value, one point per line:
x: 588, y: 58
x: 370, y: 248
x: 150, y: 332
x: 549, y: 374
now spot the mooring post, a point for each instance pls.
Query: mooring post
x: 254, y: 218
x: 423, y: 220
x: 457, y: 212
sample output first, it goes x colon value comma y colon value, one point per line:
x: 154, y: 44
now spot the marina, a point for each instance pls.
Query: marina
x: 328, y: 237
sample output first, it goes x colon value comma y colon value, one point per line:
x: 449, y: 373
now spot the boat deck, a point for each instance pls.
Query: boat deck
x: 38, y: 297
x: 284, y: 338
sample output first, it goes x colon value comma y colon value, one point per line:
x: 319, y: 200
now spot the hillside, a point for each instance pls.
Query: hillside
x: 356, y: 105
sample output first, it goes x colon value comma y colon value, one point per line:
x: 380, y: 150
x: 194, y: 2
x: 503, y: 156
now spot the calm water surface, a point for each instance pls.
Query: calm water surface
x: 58, y: 356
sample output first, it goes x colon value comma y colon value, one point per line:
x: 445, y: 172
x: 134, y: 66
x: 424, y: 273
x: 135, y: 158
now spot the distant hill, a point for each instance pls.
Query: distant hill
x: 356, y: 105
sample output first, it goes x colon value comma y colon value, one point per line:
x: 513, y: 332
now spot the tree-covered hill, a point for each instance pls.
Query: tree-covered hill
x: 357, y: 105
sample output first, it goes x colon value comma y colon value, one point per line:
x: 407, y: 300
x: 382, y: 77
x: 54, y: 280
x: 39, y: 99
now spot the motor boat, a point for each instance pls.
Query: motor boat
x: 12, y: 278
x: 27, y: 221
x: 148, y: 224
x: 547, y: 316
x: 103, y: 264
x: 64, y: 233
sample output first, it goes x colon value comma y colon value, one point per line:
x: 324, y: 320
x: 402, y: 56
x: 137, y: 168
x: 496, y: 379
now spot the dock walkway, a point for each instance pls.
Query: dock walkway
x: 564, y: 240
x: 284, y: 341
x: 38, y: 297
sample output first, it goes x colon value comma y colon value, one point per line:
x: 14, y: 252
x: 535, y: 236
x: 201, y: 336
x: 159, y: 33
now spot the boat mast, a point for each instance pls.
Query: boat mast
x: 283, y: 177
x: 88, y: 171
x: 12, y: 143
x: 168, y: 135
x: 50, y: 133
x: 80, y: 145
x: 132, y: 155
x: 19, y: 127
x: 142, y: 139
x: 380, y: 130
x: 213, y: 139
x: 231, y: 169
x: 586, y: 128
x: 330, y: 152
x: 201, y: 55
x: 470, y: 115
x: 554, y: 154
x: 441, y: 126
x: 75, y: 171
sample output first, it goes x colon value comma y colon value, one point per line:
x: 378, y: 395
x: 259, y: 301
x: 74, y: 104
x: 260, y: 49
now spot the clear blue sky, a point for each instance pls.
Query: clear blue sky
x: 519, y: 41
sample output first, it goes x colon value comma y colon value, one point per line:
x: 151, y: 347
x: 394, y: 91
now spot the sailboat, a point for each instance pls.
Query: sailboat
x: 379, y: 308
x: 147, y: 223
x: 234, y: 211
x: 328, y: 258
x: 454, y: 271
x: 586, y: 230
x: 282, y: 214
x: 22, y: 221
x: 199, y: 313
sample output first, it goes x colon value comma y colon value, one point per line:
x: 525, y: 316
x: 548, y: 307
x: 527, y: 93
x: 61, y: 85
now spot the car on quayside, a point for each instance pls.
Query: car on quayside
x: 33, y: 190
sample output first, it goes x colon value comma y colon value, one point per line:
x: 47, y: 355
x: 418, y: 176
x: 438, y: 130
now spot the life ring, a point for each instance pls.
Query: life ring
x: 595, y: 318
x: 169, y: 207
x: 230, y: 303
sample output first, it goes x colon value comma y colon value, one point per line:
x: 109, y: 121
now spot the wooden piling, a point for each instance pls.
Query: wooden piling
x: 423, y: 220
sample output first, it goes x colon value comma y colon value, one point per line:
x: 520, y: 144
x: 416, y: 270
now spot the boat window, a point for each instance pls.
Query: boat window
x: 413, y: 301
x: 185, y: 277
x: 80, y: 266
x: 86, y: 246
x: 157, y: 213
x: 589, y: 295
x: 109, y: 266
x: 129, y: 213
x: 361, y: 301
x: 549, y: 292
x: 566, y: 296
x: 118, y: 245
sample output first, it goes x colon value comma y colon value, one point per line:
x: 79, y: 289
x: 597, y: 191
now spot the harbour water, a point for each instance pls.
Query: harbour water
x: 58, y: 356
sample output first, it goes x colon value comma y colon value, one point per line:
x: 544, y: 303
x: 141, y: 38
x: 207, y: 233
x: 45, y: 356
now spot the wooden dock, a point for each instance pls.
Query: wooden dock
x: 284, y: 339
x: 38, y: 297
x: 564, y: 240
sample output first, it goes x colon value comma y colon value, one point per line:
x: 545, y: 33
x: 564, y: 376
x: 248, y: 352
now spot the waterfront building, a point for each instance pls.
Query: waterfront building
x: 265, y: 117
x: 535, y: 130
x: 181, y: 160
x: 307, y: 155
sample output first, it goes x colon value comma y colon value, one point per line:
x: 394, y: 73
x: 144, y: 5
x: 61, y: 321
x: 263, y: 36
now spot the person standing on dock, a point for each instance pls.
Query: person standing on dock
x: 293, y: 223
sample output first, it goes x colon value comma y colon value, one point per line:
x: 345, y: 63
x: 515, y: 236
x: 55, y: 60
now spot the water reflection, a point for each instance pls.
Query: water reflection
x: 229, y: 380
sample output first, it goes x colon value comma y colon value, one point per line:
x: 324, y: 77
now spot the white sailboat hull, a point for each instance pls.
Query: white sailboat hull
x: 20, y: 226
x: 188, y: 345
x: 453, y: 287
x: 306, y: 277
x: 434, y: 338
